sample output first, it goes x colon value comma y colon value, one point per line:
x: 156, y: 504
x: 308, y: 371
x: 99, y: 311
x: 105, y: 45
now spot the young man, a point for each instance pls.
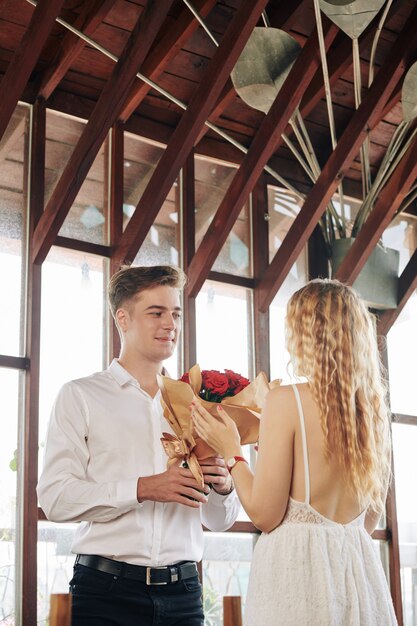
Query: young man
x: 141, y: 523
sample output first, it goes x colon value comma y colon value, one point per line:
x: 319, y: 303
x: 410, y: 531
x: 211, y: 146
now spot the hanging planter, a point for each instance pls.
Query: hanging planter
x: 377, y: 283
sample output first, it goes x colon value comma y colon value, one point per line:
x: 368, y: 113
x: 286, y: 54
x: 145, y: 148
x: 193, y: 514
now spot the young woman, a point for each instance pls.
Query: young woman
x: 322, y: 472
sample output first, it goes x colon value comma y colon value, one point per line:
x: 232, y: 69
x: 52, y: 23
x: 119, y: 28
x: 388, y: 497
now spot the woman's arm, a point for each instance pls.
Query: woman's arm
x: 264, y: 496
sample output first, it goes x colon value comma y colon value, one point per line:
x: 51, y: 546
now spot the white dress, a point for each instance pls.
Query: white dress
x: 312, y: 571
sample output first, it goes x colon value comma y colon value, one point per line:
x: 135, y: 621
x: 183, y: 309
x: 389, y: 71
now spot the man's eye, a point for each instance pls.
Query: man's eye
x: 177, y: 316
x: 156, y: 313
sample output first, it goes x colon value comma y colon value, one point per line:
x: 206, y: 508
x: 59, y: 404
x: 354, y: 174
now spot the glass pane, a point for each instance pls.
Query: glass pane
x: 13, y: 201
x: 212, y: 179
x: 87, y: 219
x: 401, y: 362
x: 72, y: 330
x: 283, y: 209
x: 9, y: 384
x: 405, y: 468
x: 55, y: 563
x: 226, y: 565
x: 223, y: 333
x: 162, y: 243
x: 140, y: 160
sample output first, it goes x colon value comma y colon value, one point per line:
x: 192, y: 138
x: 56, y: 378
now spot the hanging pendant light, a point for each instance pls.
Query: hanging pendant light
x: 351, y: 17
x: 263, y: 66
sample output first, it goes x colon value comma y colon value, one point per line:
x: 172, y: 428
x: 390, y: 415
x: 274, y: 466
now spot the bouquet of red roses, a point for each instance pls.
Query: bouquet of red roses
x: 243, y: 401
x: 215, y: 386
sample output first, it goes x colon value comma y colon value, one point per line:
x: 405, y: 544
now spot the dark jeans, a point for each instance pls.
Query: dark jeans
x: 101, y: 599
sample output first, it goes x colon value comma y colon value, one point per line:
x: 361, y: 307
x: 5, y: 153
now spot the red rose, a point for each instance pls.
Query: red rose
x: 185, y: 378
x: 215, y: 383
x: 236, y: 382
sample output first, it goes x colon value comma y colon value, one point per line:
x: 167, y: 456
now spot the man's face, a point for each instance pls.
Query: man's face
x: 150, y: 323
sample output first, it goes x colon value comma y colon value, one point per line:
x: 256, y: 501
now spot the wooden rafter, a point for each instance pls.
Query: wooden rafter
x: 226, y: 97
x: 88, y: 21
x: 407, y: 284
x: 102, y: 118
x: 264, y: 144
x: 25, y: 58
x: 386, y: 205
x: 163, y: 52
x: 339, y: 161
x: 189, y: 128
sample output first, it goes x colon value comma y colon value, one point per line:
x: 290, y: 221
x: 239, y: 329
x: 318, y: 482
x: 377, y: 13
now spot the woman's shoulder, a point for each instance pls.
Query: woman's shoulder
x: 286, y: 392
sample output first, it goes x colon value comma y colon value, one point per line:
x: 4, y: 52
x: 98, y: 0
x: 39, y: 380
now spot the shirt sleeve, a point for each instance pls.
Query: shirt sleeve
x: 65, y: 493
x: 220, y: 512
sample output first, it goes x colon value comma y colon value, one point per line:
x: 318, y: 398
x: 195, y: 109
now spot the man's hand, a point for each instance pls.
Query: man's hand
x: 176, y: 484
x: 217, y: 475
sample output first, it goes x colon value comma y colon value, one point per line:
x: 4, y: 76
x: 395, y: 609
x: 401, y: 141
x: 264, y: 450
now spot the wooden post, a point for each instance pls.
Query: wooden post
x: 60, y: 609
x: 232, y: 611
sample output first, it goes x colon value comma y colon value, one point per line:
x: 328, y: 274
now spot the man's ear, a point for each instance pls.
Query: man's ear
x: 122, y: 318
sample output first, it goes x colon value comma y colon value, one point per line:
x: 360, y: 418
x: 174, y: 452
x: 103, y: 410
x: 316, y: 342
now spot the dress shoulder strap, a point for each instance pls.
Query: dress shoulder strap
x: 304, y: 444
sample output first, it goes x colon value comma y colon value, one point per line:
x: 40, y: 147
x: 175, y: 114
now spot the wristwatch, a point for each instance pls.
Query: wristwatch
x: 233, y: 460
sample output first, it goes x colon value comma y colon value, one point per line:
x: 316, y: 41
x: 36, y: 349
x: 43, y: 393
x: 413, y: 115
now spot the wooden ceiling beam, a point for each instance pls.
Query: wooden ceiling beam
x: 90, y: 18
x: 407, y: 284
x: 25, y: 58
x: 102, y: 118
x: 338, y: 163
x: 386, y: 205
x: 189, y: 127
x: 226, y: 97
x: 161, y: 54
x: 264, y: 144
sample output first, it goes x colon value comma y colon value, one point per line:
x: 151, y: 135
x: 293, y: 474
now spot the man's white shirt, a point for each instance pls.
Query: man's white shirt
x: 104, y: 433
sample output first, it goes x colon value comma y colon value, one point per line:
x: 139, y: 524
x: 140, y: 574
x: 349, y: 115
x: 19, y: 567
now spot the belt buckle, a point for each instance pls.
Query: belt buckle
x: 174, y: 577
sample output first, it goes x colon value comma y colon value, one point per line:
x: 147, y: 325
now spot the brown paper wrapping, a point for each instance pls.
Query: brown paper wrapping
x: 176, y: 396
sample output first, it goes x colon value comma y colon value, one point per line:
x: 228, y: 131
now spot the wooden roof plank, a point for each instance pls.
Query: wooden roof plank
x: 189, y: 127
x: 88, y: 21
x: 25, y: 57
x: 284, y: 16
x: 386, y: 205
x: 265, y: 143
x: 407, y: 284
x: 163, y: 52
x: 102, y: 118
x: 338, y: 163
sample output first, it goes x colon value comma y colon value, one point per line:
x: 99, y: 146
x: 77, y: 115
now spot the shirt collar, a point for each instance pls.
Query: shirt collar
x: 120, y: 375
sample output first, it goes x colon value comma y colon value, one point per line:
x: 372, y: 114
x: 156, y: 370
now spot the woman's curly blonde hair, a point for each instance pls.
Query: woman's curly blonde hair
x: 332, y: 342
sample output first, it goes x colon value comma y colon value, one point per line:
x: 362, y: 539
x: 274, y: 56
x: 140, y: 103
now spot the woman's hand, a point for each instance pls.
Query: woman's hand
x: 221, y: 434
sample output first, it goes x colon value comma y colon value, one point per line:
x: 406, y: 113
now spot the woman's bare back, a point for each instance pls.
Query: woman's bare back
x: 330, y: 495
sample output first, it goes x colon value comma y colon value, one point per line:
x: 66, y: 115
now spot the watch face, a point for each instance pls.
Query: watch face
x: 231, y: 462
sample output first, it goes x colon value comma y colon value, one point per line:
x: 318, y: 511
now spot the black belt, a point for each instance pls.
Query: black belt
x: 149, y: 575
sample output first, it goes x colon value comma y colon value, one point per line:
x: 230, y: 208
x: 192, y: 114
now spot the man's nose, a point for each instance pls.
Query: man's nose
x: 169, y: 321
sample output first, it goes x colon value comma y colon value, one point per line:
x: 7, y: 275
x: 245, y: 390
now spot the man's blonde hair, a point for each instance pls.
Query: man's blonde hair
x: 332, y: 342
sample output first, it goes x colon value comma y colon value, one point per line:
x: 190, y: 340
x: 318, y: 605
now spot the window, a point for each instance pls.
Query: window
x: 212, y: 179
x: 10, y: 384
x: 13, y: 201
